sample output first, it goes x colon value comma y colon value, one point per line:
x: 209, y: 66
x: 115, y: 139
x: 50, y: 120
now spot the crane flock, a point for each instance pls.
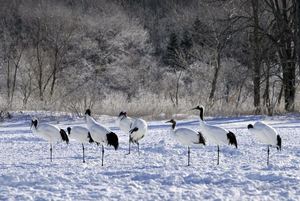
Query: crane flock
x: 137, y: 128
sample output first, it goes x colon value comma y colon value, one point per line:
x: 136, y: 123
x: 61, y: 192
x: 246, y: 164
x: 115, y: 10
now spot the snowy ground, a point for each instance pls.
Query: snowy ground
x: 159, y: 173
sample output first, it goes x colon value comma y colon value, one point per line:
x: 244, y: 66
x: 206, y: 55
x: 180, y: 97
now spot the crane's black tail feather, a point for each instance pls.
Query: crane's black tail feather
x: 112, y: 140
x: 232, y: 139
x: 279, y: 143
x: 201, y: 139
x: 64, y: 136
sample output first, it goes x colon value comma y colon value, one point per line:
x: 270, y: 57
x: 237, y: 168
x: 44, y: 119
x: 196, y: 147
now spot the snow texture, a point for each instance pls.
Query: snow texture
x: 160, y: 172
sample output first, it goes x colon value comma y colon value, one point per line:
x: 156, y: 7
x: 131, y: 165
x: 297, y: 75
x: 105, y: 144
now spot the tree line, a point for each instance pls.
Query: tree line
x: 234, y: 56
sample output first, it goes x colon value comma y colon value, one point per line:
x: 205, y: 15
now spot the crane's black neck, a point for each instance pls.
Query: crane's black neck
x: 88, y: 112
x: 69, y: 130
x: 201, y: 113
x: 123, y: 115
x: 173, y: 125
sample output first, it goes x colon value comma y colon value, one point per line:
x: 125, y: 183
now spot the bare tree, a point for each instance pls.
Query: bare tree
x: 283, y: 37
x: 256, y: 55
x: 26, y: 85
x: 13, y: 45
x: 297, y: 17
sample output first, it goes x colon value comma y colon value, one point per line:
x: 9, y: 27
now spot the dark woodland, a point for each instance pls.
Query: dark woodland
x: 150, y: 57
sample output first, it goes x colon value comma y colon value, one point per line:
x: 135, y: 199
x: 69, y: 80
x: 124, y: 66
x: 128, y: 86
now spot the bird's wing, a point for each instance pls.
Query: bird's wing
x: 138, y: 129
x: 125, y: 124
x: 140, y: 123
x: 49, y: 131
x: 98, y: 132
x: 82, y: 129
x: 265, y: 133
x: 187, y: 136
x: 216, y: 134
x: 79, y: 133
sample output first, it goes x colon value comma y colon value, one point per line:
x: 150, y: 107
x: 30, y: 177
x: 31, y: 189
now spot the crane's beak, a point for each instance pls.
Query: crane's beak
x: 168, y: 121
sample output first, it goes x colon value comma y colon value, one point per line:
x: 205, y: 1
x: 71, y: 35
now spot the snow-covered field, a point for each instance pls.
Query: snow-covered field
x: 158, y: 173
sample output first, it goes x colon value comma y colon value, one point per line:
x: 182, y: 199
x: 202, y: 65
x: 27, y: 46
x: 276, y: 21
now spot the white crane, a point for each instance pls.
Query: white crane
x: 101, y: 134
x: 214, y: 134
x: 186, y: 137
x: 135, y: 127
x: 266, y: 135
x: 82, y: 135
x: 49, y: 132
x: 124, y: 122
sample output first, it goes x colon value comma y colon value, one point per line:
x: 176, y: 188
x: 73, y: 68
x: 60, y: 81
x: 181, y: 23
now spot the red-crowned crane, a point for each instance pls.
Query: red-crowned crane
x: 124, y: 122
x: 81, y: 135
x: 186, y: 136
x: 49, y: 132
x: 214, y: 134
x: 101, y: 134
x: 135, y: 127
x: 266, y: 135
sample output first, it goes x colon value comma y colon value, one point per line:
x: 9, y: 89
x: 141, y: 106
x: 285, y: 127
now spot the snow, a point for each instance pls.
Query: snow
x: 160, y: 172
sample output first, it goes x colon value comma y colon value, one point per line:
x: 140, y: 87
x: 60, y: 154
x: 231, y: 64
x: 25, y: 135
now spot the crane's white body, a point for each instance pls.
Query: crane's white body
x: 48, y: 132
x: 80, y: 134
x: 264, y: 133
x: 142, y: 129
x: 214, y: 134
x: 185, y: 136
x: 98, y: 132
x: 267, y: 135
x: 135, y: 127
x: 124, y: 123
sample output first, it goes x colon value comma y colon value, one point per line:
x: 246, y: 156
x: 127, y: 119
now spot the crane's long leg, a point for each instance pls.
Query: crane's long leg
x: 83, y: 160
x: 189, y: 152
x: 102, y: 154
x: 218, y: 155
x: 268, y: 155
x: 129, y: 141
x: 138, y: 145
x: 51, y: 152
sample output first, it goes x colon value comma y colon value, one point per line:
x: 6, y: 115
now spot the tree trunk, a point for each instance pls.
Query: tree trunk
x: 14, y: 81
x: 288, y: 60
x: 13, y: 87
x: 289, y: 86
x: 177, y: 89
x: 267, y: 101
x: 227, y: 92
x: 297, y: 16
x: 256, y: 58
x: 27, y: 90
x: 215, y: 78
x: 8, y: 84
x: 280, y: 95
x: 40, y: 72
x: 55, y: 66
